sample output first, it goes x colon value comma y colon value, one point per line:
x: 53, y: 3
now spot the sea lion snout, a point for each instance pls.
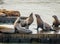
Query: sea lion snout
x: 54, y: 16
x: 31, y: 14
x: 37, y: 15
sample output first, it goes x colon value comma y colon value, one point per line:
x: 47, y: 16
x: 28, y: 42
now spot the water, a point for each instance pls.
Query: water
x: 44, y: 9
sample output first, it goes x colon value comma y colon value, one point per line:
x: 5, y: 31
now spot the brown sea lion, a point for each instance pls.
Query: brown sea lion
x: 2, y: 14
x: 25, y: 23
x: 10, y: 12
x: 42, y: 24
x: 56, y: 22
x: 2, y: 10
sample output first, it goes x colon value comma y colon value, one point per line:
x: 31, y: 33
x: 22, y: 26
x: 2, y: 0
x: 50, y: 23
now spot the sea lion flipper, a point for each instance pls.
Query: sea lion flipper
x: 27, y: 27
x: 37, y: 28
x: 52, y: 30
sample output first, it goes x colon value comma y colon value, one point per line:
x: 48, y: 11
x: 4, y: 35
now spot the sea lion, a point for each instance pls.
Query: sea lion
x: 10, y: 12
x: 2, y: 10
x: 2, y: 14
x: 25, y: 23
x: 42, y: 24
x: 56, y: 22
x: 28, y: 21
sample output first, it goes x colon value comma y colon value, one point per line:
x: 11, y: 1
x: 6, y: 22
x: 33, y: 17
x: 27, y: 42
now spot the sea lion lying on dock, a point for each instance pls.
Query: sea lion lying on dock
x: 10, y: 12
x: 6, y: 29
x: 56, y: 22
x: 2, y: 14
x: 42, y: 24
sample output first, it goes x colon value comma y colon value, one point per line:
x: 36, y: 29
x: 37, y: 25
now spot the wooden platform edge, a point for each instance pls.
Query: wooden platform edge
x: 31, y: 35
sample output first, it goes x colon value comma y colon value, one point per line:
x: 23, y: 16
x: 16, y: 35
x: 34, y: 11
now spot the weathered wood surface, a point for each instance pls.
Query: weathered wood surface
x: 28, y: 38
x: 30, y: 35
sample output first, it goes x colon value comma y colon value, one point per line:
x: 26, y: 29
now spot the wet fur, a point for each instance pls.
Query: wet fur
x: 43, y: 25
x: 28, y: 21
x: 10, y: 12
x: 25, y: 23
x: 56, y: 22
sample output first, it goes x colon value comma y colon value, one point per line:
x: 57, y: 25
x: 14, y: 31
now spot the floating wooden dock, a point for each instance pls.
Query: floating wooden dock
x: 32, y: 35
x: 44, y: 38
x: 22, y: 38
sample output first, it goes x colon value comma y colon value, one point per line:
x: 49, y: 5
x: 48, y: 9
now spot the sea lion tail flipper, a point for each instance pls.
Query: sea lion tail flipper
x: 37, y: 28
x: 16, y: 31
x: 27, y: 27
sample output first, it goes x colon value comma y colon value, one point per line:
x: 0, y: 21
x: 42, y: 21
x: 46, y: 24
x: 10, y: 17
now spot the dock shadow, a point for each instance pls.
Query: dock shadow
x: 49, y: 32
x: 43, y: 32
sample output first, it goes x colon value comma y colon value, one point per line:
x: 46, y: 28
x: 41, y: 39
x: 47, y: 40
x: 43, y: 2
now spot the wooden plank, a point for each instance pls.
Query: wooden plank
x: 31, y: 35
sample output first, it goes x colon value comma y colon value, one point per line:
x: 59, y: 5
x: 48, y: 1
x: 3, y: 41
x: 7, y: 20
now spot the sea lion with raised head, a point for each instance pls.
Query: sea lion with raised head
x: 42, y: 24
x: 56, y: 22
x: 25, y: 23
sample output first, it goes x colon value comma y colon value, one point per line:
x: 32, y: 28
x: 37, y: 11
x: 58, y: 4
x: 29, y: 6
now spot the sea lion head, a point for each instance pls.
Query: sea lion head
x: 31, y: 14
x: 38, y: 18
x: 37, y: 15
x: 54, y: 16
